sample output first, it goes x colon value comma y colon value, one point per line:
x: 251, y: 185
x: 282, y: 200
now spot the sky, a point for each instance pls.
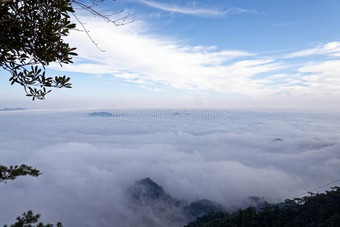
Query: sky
x: 88, y: 163
x: 227, y: 54
x: 213, y: 72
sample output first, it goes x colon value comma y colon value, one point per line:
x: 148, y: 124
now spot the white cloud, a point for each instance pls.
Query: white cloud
x: 163, y: 60
x: 89, y: 162
x: 314, y: 79
x: 322, y: 78
x: 331, y: 49
x: 90, y: 68
x: 196, y: 11
x: 133, y: 53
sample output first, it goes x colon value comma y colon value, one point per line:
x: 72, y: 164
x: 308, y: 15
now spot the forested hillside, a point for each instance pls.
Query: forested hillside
x: 314, y: 210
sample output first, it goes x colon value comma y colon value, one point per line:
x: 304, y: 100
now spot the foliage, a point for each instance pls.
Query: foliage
x: 12, y: 172
x: 203, y: 206
x: 31, y: 34
x: 314, y: 210
x: 30, y: 220
x: 31, y: 37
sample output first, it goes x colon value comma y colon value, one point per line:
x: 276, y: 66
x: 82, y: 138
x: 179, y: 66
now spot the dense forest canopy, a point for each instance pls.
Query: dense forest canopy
x: 315, y: 210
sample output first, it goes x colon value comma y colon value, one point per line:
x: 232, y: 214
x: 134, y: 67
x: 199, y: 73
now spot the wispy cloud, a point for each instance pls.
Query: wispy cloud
x: 332, y: 49
x: 321, y: 77
x: 196, y: 11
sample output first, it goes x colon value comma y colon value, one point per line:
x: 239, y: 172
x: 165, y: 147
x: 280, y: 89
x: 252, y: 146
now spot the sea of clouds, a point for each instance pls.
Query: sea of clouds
x: 88, y: 162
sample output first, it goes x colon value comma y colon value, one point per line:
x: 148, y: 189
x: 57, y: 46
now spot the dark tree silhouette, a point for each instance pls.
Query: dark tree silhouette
x: 31, y: 33
x: 12, y: 172
x: 28, y: 219
x: 31, y: 37
x: 321, y: 209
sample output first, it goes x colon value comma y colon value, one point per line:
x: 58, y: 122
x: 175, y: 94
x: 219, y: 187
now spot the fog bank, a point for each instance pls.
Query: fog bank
x: 88, y: 162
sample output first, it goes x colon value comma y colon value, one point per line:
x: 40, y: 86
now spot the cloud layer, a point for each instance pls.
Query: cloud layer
x: 89, y: 162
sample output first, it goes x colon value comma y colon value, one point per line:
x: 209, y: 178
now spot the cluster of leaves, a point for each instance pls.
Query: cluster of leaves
x: 314, y: 210
x: 28, y: 219
x: 12, y: 172
x: 31, y: 34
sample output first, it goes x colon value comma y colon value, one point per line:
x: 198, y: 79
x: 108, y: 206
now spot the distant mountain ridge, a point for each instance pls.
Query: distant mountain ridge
x: 158, y: 208
x: 12, y: 109
x: 146, y: 195
x: 101, y: 114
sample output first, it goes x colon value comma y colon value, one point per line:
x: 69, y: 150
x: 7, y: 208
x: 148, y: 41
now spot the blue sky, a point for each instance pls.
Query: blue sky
x: 228, y: 54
